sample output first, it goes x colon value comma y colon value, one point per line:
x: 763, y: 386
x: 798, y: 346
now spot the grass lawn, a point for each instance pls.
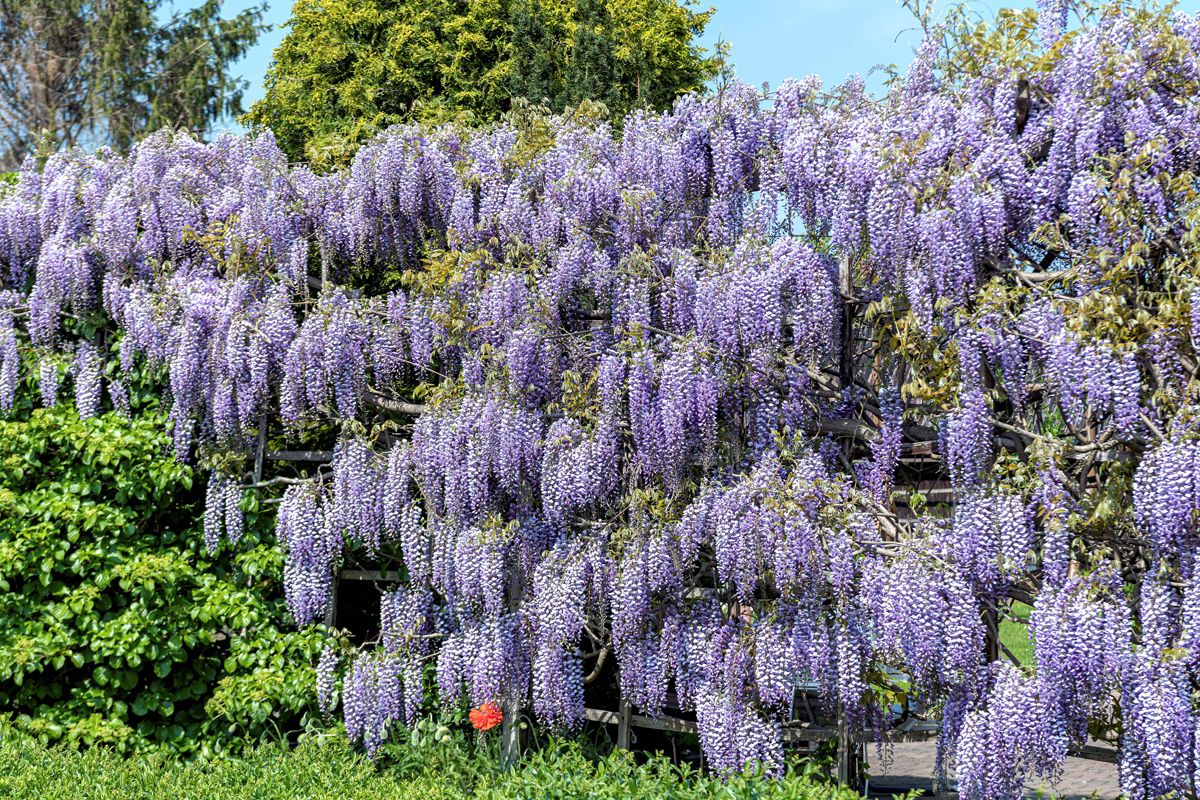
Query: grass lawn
x: 1015, y: 635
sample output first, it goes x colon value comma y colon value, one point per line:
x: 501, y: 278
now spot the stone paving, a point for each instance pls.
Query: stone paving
x: 912, y: 768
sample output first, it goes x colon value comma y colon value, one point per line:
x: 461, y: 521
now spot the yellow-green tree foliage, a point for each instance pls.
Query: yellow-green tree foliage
x: 349, y: 68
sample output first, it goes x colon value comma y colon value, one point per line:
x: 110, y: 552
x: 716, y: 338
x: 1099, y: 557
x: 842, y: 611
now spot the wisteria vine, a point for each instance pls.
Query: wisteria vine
x: 742, y: 397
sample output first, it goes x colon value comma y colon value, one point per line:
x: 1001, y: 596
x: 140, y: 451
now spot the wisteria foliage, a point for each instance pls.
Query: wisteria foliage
x: 746, y: 396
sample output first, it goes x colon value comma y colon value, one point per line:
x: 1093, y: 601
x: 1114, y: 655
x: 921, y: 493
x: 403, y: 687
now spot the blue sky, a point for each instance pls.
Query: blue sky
x: 776, y: 39
x: 771, y: 39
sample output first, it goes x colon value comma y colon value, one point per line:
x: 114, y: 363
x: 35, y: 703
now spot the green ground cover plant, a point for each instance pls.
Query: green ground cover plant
x: 324, y: 766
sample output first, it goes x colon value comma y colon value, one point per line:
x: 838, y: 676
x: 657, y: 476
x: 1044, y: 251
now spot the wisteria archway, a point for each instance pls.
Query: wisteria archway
x: 648, y: 395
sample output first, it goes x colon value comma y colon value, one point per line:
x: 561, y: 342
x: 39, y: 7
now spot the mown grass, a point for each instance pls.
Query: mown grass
x: 327, y: 767
x: 1015, y: 635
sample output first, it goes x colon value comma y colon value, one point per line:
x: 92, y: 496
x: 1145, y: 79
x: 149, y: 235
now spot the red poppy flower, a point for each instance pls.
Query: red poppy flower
x: 486, y: 717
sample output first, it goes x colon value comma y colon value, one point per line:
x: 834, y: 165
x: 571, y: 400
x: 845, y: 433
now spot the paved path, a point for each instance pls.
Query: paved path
x: 912, y: 767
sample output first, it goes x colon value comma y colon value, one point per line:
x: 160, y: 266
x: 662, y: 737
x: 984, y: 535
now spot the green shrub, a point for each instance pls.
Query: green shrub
x: 325, y: 767
x: 116, y: 626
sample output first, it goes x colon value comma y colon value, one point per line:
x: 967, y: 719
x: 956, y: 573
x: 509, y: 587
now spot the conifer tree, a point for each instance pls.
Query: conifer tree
x: 591, y: 73
x: 102, y: 71
x: 532, y: 75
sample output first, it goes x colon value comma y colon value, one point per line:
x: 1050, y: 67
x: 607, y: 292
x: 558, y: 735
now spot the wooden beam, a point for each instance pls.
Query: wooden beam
x: 670, y: 724
x: 600, y: 715
x: 626, y: 719
x: 300, y: 455
x: 1095, y: 753
x: 378, y: 576
x: 920, y: 732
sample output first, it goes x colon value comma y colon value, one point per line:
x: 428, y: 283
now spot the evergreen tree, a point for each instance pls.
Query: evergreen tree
x: 591, y: 72
x: 101, y: 71
x: 532, y: 75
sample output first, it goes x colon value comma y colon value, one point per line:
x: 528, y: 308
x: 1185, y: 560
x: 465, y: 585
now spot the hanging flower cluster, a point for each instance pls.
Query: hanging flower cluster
x: 737, y: 398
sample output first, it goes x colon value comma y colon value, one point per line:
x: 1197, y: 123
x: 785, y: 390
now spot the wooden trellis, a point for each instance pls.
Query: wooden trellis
x: 918, y: 459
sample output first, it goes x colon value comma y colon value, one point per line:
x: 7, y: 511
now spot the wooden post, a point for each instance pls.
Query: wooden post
x: 623, y: 725
x: 260, y: 449
x: 991, y: 623
x: 331, y: 609
x: 324, y: 264
x: 510, y: 735
x: 846, y: 289
x: 845, y: 749
x: 846, y: 357
x: 512, y: 743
